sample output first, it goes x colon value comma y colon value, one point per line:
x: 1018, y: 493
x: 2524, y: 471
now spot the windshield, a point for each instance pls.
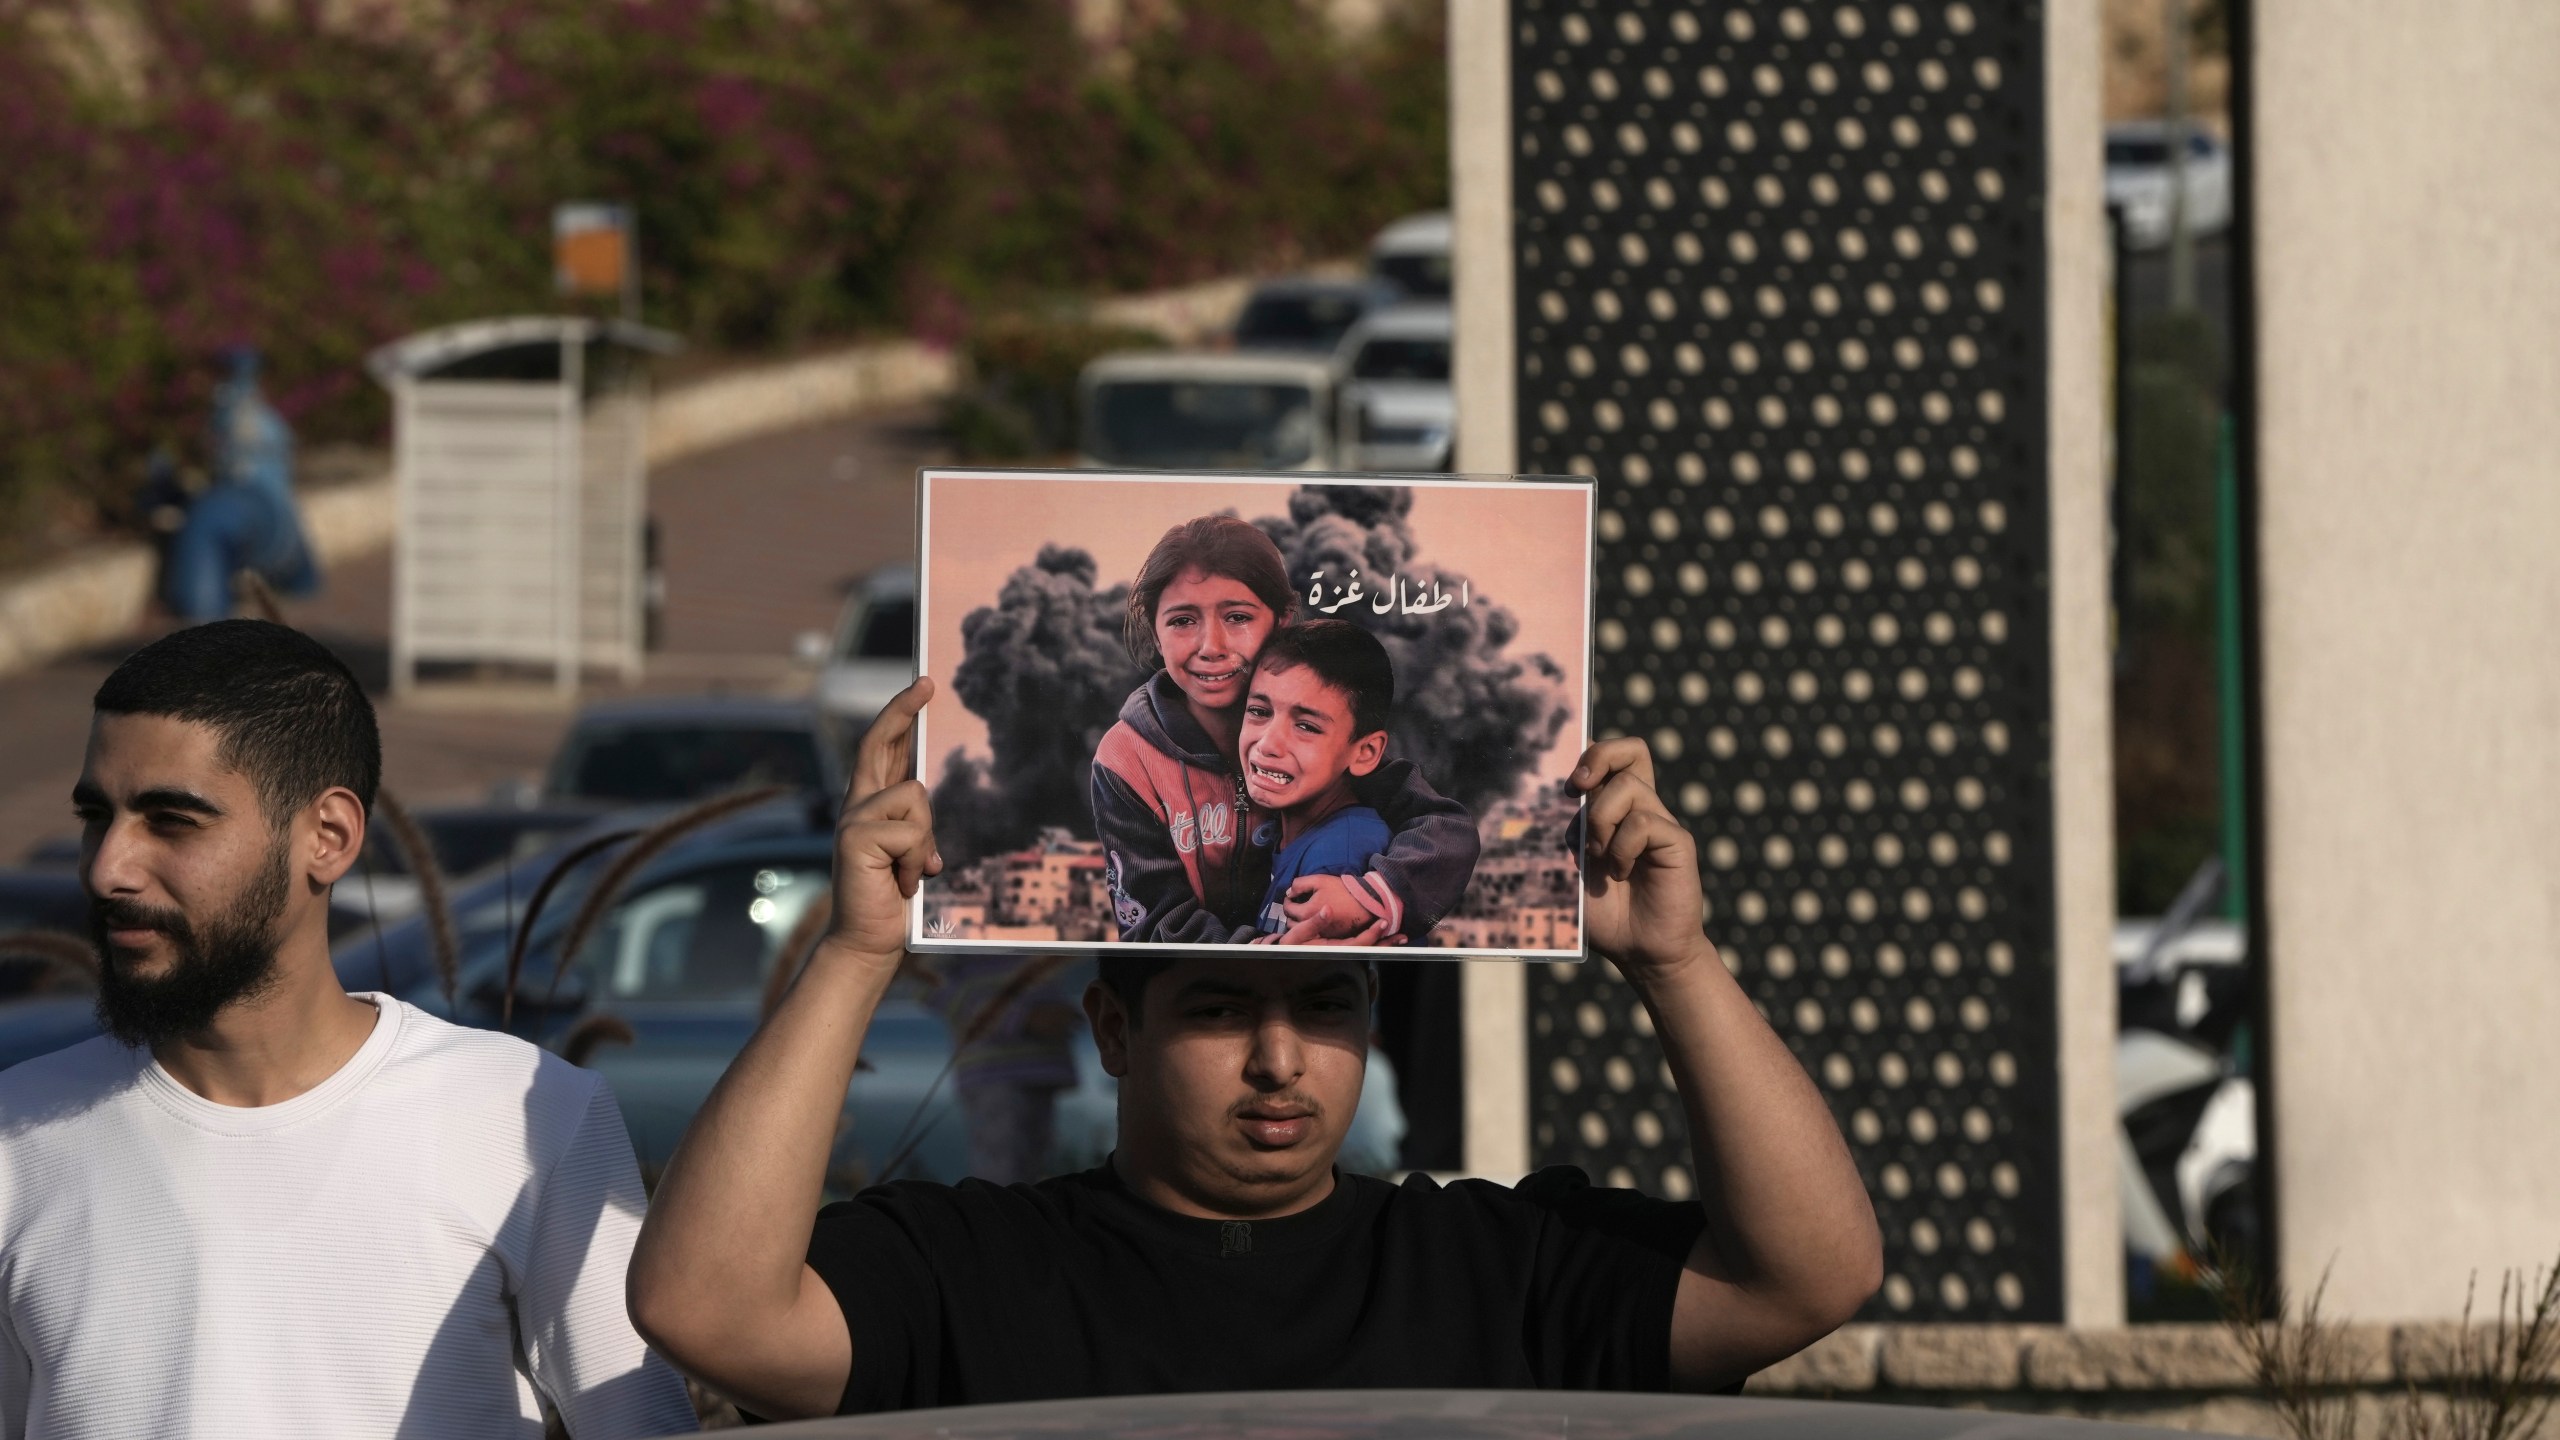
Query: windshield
x: 1202, y: 424
x: 709, y: 935
x: 683, y: 762
x: 886, y: 631
x: 2137, y: 152
x: 469, y: 842
x: 1386, y: 359
x: 1314, y: 321
x: 1423, y: 276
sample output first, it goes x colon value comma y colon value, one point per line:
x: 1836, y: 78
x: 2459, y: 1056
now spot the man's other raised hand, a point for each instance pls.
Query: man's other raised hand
x: 1643, y: 907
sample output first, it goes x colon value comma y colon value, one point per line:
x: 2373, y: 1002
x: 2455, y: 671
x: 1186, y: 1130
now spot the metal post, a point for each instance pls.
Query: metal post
x: 2229, y: 682
x: 569, y: 470
x: 404, y: 565
x: 2182, y: 245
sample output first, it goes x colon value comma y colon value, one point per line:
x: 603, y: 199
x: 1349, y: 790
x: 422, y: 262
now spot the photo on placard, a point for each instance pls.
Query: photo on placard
x: 1304, y: 712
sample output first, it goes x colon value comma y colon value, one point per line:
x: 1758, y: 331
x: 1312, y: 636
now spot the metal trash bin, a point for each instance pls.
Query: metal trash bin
x: 522, y: 491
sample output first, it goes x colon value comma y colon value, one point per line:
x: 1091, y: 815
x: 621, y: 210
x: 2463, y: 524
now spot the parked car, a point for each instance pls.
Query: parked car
x: 1397, y: 409
x: 669, y: 749
x: 43, y: 900
x: 1190, y: 410
x: 1306, y: 314
x: 466, y: 839
x: 873, y: 653
x: 37, y: 900
x: 683, y: 958
x: 1413, y: 255
x: 53, y: 852
x: 48, y: 896
x: 2139, y: 182
x: 398, y: 955
x: 394, y: 956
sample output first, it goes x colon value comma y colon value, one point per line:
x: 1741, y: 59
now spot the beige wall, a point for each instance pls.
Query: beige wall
x: 1496, y: 997
x: 2083, y: 711
x: 2408, y: 275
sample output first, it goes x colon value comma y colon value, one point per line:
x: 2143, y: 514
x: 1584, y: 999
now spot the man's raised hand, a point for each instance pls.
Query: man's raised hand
x: 888, y: 751
x: 884, y: 838
x: 1643, y: 906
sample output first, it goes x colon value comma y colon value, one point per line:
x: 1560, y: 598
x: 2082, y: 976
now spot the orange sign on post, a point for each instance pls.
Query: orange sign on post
x: 592, y: 251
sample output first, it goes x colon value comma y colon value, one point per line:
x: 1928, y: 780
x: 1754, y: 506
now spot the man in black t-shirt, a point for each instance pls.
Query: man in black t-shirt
x: 1218, y: 1248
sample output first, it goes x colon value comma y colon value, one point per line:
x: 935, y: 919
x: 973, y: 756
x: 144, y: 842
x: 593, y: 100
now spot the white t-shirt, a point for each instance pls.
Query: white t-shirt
x: 409, y: 1249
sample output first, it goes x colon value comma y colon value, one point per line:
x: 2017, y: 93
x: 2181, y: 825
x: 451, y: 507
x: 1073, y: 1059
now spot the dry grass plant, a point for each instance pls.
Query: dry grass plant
x: 2303, y: 1360
x: 801, y: 945
x: 579, y: 1044
x: 2497, y: 1381
x: 1025, y: 977
x: 434, y: 900
x: 647, y: 846
x: 533, y: 911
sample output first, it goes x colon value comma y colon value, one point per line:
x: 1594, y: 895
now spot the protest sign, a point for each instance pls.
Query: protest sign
x: 1294, y: 711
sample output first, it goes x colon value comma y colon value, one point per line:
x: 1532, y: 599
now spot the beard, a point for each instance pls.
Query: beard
x: 231, y: 958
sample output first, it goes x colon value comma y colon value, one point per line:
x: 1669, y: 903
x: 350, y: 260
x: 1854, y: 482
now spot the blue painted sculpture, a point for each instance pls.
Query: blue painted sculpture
x: 245, y: 519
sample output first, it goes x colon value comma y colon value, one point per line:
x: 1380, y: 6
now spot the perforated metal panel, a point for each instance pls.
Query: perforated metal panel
x: 1781, y: 287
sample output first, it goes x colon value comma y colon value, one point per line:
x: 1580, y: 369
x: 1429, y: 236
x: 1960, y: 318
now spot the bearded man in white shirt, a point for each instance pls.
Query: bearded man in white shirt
x: 261, y: 1205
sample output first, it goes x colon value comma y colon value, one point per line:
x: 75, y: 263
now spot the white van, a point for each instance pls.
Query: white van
x: 1195, y: 410
x: 1413, y: 255
x: 1397, y: 409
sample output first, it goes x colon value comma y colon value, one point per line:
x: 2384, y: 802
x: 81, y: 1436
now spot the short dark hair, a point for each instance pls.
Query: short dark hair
x: 1217, y: 545
x: 290, y: 715
x: 1343, y: 656
x: 1126, y: 976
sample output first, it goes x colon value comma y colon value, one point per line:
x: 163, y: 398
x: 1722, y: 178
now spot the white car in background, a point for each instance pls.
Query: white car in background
x: 1197, y: 410
x: 1397, y: 411
x: 2139, y: 183
x: 1413, y: 255
x: 873, y: 653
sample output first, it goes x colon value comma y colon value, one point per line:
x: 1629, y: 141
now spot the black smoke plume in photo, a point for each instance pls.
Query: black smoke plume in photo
x: 1044, y: 667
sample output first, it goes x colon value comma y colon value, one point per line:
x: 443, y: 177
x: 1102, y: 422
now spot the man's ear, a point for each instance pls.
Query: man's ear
x: 1367, y: 751
x: 1110, y: 1022
x: 337, y: 835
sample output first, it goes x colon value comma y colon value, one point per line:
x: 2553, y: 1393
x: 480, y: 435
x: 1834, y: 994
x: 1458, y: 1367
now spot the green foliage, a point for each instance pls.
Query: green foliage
x: 2172, y: 439
x: 320, y: 179
x: 2168, y: 757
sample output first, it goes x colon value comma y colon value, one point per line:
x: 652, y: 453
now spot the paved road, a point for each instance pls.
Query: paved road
x: 760, y: 541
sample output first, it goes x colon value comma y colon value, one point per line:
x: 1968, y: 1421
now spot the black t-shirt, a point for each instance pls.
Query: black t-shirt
x: 975, y: 1293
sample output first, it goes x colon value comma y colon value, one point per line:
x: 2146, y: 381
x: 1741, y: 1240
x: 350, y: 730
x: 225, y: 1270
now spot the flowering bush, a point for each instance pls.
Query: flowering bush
x: 318, y: 178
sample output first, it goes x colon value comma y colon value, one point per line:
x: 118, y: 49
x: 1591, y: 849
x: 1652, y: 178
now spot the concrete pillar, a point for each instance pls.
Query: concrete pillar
x: 2083, y: 710
x: 2408, y: 359
x: 1494, y: 999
